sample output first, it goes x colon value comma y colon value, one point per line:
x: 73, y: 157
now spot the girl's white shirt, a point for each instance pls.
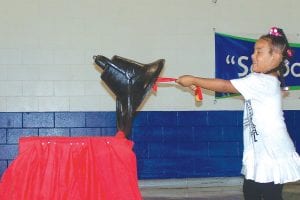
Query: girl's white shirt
x: 269, y: 153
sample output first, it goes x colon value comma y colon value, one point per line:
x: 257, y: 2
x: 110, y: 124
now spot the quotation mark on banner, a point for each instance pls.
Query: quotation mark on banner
x: 230, y: 61
x: 244, y: 69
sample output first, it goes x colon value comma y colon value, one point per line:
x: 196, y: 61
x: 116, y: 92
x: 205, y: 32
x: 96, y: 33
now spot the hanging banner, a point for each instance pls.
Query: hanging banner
x: 233, y: 60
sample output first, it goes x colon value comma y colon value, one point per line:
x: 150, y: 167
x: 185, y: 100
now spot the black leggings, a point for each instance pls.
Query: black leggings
x: 257, y: 191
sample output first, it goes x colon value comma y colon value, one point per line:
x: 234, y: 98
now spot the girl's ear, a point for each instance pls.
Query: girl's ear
x: 277, y: 55
x: 277, y: 59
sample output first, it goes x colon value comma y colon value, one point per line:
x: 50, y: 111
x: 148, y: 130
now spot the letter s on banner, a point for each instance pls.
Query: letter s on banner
x: 242, y: 65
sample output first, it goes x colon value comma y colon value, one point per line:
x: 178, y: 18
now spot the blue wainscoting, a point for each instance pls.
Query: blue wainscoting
x: 168, y: 144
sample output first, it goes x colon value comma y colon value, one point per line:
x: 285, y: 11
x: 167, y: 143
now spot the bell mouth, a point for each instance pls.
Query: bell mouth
x: 141, y: 77
x: 121, y: 75
x: 152, y: 73
x: 130, y: 81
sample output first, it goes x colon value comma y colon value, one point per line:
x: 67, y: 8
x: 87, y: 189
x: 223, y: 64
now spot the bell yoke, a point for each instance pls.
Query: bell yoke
x: 130, y: 81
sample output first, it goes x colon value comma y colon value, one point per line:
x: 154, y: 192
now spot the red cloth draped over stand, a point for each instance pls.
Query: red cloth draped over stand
x: 72, y: 168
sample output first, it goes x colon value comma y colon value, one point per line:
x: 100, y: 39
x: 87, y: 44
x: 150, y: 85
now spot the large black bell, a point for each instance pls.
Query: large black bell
x: 130, y: 81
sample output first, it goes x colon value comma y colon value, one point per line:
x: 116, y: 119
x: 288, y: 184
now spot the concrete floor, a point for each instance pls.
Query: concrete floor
x: 204, y: 189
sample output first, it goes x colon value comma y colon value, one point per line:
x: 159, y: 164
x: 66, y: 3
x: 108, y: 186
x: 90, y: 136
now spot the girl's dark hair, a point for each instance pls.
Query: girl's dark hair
x: 279, y: 41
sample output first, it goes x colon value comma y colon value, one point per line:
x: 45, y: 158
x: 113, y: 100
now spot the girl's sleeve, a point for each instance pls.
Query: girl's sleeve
x: 249, y: 86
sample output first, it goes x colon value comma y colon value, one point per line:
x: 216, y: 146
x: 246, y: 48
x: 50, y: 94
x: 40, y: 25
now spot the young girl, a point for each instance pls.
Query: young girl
x: 269, y: 157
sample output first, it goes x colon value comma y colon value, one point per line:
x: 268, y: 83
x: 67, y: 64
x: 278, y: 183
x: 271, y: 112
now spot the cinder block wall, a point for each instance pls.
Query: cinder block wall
x: 168, y: 144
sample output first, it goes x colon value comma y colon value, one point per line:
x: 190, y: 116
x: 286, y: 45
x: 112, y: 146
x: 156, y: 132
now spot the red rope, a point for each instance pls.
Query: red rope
x: 198, y: 92
x: 162, y: 80
x: 165, y: 79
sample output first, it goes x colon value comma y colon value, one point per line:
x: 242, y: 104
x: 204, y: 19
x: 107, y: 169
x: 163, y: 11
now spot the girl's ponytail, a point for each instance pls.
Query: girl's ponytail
x: 279, y: 40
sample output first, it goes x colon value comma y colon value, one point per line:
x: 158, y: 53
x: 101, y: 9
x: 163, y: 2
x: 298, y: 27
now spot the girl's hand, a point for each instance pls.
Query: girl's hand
x: 193, y: 87
x: 186, y: 81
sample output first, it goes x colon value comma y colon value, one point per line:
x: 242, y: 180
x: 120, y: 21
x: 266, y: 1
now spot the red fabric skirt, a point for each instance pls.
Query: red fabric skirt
x: 72, y: 168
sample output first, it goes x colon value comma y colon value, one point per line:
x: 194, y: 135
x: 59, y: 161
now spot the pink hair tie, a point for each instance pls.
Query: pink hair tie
x: 274, y: 31
x: 289, y: 53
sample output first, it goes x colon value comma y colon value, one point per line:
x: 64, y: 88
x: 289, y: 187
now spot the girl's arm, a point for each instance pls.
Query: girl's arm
x: 217, y: 85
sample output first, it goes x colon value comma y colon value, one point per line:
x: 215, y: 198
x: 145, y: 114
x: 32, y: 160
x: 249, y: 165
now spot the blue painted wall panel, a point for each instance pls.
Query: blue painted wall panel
x: 140, y: 119
x: 167, y: 118
x: 70, y: 119
x: 11, y: 120
x: 163, y: 150
x: 224, y: 166
x: 290, y: 118
x: 178, y: 134
x: 2, y: 136
x: 202, y: 167
x: 38, y: 120
x: 223, y: 149
x: 54, y: 132
x: 205, y: 133
x: 169, y: 168
x: 191, y: 118
x: 108, y: 131
x: 100, y: 119
x: 13, y: 135
x: 232, y: 133
x: 141, y: 149
x: 79, y: 132
x: 167, y: 144
x: 222, y: 118
x: 148, y: 133
x: 8, y: 151
x: 192, y: 150
x: 3, y: 166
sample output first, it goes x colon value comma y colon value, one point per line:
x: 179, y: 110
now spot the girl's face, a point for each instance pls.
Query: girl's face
x: 263, y: 58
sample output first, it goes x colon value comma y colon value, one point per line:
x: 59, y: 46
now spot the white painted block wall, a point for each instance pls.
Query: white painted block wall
x: 46, y: 47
